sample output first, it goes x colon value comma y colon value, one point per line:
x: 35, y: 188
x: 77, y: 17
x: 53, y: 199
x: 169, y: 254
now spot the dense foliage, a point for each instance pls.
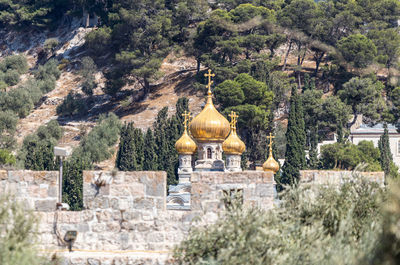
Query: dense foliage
x: 17, y: 234
x: 347, y: 156
x: 313, y: 225
x: 153, y: 150
x: 37, y: 152
x: 94, y: 147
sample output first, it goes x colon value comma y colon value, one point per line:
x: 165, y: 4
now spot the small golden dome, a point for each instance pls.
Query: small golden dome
x: 271, y: 165
x: 233, y: 145
x: 185, y: 145
x: 209, y: 125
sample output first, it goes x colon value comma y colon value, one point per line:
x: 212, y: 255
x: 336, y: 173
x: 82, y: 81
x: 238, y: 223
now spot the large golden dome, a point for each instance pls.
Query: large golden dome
x: 209, y: 125
x: 185, y: 145
x: 233, y: 145
x: 271, y: 165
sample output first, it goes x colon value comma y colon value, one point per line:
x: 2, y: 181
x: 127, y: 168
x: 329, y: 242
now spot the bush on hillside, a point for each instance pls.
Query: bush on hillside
x: 96, y: 145
x: 313, y: 225
x: 14, y: 62
x: 37, y: 152
x: 73, y: 104
x: 8, y: 126
x: 11, y: 77
x: 6, y: 158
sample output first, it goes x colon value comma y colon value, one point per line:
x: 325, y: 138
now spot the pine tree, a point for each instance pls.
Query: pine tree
x: 149, y: 152
x: 126, y: 158
x: 295, y: 136
x: 386, y: 157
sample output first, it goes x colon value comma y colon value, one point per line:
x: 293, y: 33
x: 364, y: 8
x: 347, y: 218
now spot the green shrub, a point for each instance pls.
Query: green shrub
x: 48, y: 70
x: 97, y: 41
x: 96, y: 145
x: 37, y: 152
x: 73, y: 104
x: 11, y: 77
x: 18, y: 231
x: 6, y: 158
x: 51, y: 44
x: 18, y: 100
x: 3, y: 85
x: 348, y: 156
x: 14, y: 62
x: 312, y: 225
x: 8, y: 125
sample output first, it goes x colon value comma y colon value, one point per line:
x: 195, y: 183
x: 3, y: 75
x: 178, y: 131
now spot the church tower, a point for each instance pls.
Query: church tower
x: 209, y: 129
x: 233, y: 147
x: 185, y: 147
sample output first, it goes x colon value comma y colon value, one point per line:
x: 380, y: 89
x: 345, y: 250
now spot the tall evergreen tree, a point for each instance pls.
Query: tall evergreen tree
x: 160, y: 126
x: 149, y: 152
x: 126, y: 158
x: 313, y: 151
x: 139, y: 147
x: 295, y: 135
x: 386, y: 157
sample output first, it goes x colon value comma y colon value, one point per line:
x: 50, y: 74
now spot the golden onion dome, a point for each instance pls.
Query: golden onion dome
x: 185, y: 145
x: 209, y: 125
x: 233, y: 145
x: 271, y: 165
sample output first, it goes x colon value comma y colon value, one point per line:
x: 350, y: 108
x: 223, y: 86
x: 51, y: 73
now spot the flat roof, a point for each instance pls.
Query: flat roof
x: 376, y: 129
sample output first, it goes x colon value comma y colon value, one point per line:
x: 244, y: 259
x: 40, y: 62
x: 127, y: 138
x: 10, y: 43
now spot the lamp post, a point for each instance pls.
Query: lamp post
x: 61, y: 152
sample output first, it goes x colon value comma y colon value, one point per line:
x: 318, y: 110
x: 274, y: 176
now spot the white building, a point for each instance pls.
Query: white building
x: 368, y: 133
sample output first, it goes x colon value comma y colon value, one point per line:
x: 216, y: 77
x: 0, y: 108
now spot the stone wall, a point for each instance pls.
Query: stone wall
x: 37, y: 190
x: 125, y: 220
x: 208, y: 188
x: 336, y: 177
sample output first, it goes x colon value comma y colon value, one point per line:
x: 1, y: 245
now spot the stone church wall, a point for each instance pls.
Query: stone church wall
x: 337, y: 177
x: 125, y: 220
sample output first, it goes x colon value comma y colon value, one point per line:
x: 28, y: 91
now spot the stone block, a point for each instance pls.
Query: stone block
x: 82, y: 228
x: 131, y: 215
x: 53, y: 191
x: 14, y: 176
x: 157, y: 237
x: 47, y: 205
x: 91, y: 261
x: 155, y: 183
x: 88, y: 177
x: 143, y: 204
x: 3, y: 175
x: 113, y: 226
x: 264, y: 190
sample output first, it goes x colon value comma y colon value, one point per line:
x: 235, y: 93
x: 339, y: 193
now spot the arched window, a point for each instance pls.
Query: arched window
x: 209, y: 153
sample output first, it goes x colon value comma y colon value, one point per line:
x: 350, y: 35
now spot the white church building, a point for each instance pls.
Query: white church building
x: 373, y: 133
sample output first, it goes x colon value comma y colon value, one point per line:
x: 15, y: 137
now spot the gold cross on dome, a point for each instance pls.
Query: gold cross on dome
x: 187, y: 117
x: 209, y: 75
x: 270, y: 137
x: 234, y: 117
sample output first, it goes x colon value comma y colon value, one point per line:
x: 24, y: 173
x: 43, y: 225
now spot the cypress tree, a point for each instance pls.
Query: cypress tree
x: 139, y: 146
x: 386, y: 157
x: 313, y: 152
x: 160, y: 126
x: 300, y: 129
x: 73, y: 180
x: 126, y: 158
x: 295, y: 136
x: 149, y: 152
